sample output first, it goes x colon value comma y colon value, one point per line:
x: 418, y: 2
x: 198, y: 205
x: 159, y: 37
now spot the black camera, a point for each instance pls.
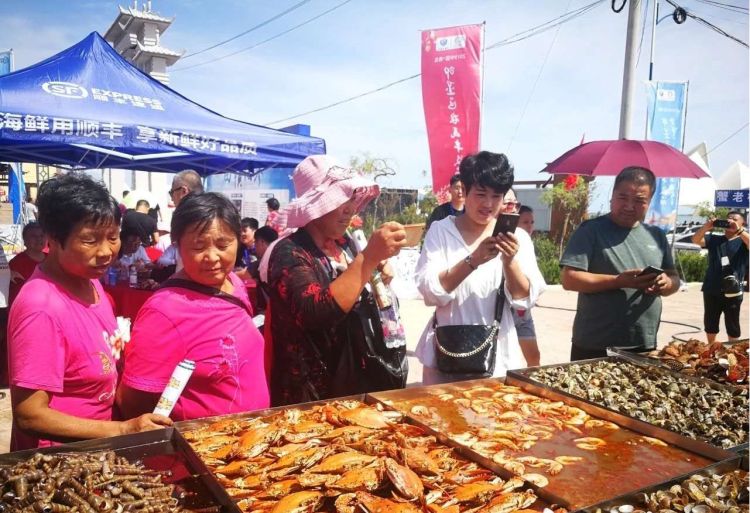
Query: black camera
x: 721, y: 223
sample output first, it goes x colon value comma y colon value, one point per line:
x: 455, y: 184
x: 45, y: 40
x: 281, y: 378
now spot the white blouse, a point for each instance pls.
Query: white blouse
x: 473, y: 301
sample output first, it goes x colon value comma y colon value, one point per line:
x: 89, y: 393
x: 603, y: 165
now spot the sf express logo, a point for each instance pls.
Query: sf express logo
x: 65, y: 90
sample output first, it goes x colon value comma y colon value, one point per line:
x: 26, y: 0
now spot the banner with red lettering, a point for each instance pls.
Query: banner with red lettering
x: 452, y: 96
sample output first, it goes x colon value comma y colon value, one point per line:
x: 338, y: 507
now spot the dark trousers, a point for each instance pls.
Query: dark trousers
x: 584, y: 353
x: 716, y: 304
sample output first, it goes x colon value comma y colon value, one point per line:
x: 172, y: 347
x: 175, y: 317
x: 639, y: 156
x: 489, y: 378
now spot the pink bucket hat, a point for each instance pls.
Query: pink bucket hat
x: 322, y: 186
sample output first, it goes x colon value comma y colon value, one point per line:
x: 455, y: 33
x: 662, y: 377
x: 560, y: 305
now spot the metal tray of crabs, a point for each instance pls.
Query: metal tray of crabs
x: 697, y: 409
x: 722, y: 487
x: 345, y: 456
x: 727, y: 363
x: 155, y: 471
x: 579, y: 458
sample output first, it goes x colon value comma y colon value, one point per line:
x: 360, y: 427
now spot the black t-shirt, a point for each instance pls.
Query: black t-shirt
x: 140, y: 223
x: 441, y: 212
x: 735, y: 249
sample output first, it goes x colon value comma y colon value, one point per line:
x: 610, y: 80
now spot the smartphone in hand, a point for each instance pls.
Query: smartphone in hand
x: 721, y: 223
x: 505, y: 223
x: 650, y: 270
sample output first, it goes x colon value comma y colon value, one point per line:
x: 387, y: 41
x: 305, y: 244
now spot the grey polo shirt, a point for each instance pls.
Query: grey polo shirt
x: 624, y: 317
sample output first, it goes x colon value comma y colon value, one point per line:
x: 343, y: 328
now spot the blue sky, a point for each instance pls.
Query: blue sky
x: 365, y: 44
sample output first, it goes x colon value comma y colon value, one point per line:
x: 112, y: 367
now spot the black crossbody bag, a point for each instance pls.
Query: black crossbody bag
x: 205, y: 289
x: 469, y: 348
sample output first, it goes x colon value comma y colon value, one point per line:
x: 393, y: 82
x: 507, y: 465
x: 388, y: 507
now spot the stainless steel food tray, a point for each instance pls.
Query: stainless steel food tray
x: 647, y: 359
x: 631, y: 498
x: 371, y: 399
x: 523, y: 379
x: 163, y: 449
x: 189, y: 425
x: 558, y: 492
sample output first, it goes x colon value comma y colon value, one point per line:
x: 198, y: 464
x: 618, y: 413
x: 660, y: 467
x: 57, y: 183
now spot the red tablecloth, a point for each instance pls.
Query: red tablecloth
x: 128, y: 300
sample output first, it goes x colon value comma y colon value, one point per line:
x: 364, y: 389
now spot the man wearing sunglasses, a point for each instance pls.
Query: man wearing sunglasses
x: 183, y: 184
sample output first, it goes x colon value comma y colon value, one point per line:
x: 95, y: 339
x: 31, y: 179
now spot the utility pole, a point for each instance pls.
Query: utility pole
x: 653, y: 40
x: 628, y: 75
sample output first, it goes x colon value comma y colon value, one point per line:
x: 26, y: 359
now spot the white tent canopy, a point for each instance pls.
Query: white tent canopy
x: 737, y: 176
x: 694, y: 191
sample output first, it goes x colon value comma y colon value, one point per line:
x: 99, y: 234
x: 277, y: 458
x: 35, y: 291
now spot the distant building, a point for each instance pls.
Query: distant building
x: 136, y: 35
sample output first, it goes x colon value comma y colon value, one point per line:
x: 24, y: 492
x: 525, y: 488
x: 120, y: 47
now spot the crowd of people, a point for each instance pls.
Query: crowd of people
x: 320, y: 289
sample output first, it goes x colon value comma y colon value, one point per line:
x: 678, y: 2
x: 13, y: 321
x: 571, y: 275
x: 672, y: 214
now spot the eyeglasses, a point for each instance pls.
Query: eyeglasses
x: 172, y: 191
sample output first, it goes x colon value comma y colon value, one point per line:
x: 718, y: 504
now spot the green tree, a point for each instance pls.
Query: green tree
x: 375, y: 168
x: 707, y: 211
x: 570, y: 196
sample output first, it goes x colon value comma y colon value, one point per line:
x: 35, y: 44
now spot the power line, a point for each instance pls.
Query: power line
x: 728, y: 7
x: 709, y: 24
x: 256, y: 27
x: 547, y: 25
x: 520, y: 36
x: 643, y: 31
x: 536, y: 81
x: 276, y: 36
x: 347, y: 100
x: 740, y: 129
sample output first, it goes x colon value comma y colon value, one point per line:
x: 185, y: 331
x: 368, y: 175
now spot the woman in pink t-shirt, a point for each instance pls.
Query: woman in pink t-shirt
x: 201, y: 314
x: 61, y: 330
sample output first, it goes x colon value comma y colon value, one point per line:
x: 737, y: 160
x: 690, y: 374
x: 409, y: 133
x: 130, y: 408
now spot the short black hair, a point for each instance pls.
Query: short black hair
x: 637, y: 175
x: 487, y: 169
x: 124, y: 236
x: 142, y: 203
x: 30, y: 226
x: 737, y: 213
x: 200, y: 210
x: 72, y: 198
x: 267, y: 234
x: 524, y: 209
x: 249, y: 222
x: 455, y: 179
x: 273, y: 203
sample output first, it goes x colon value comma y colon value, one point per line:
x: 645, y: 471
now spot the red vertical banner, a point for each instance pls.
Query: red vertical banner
x: 452, y: 96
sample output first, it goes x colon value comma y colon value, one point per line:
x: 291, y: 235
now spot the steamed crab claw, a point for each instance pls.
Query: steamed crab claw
x: 419, y: 462
x: 405, y: 480
x: 373, y: 504
x: 299, y: 502
x: 366, y: 417
x: 477, y: 492
x: 360, y: 479
x: 508, y: 502
x: 348, y: 434
x: 342, y: 462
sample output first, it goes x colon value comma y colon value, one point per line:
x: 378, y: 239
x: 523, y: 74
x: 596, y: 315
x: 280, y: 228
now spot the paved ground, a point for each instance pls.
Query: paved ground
x: 681, y: 317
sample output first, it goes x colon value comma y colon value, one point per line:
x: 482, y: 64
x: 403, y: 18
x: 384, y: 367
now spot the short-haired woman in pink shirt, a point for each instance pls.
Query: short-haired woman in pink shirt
x: 62, y: 333
x: 201, y: 314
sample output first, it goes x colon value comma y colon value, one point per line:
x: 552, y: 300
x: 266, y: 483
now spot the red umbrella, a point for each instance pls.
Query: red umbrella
x: 608, y: 158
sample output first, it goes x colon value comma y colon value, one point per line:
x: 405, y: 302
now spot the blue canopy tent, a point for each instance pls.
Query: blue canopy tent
x: 87, y: 107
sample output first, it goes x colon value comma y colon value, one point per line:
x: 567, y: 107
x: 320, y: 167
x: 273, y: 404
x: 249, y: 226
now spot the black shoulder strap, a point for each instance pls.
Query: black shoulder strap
x: 499, y: 304
x: 205, y: 289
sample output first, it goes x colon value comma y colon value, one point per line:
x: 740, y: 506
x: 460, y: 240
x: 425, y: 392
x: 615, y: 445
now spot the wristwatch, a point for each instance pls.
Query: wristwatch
x: 468, y: 262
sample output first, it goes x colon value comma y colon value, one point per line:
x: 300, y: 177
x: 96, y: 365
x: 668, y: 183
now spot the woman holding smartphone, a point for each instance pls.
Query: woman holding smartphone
x: 462, y: 266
